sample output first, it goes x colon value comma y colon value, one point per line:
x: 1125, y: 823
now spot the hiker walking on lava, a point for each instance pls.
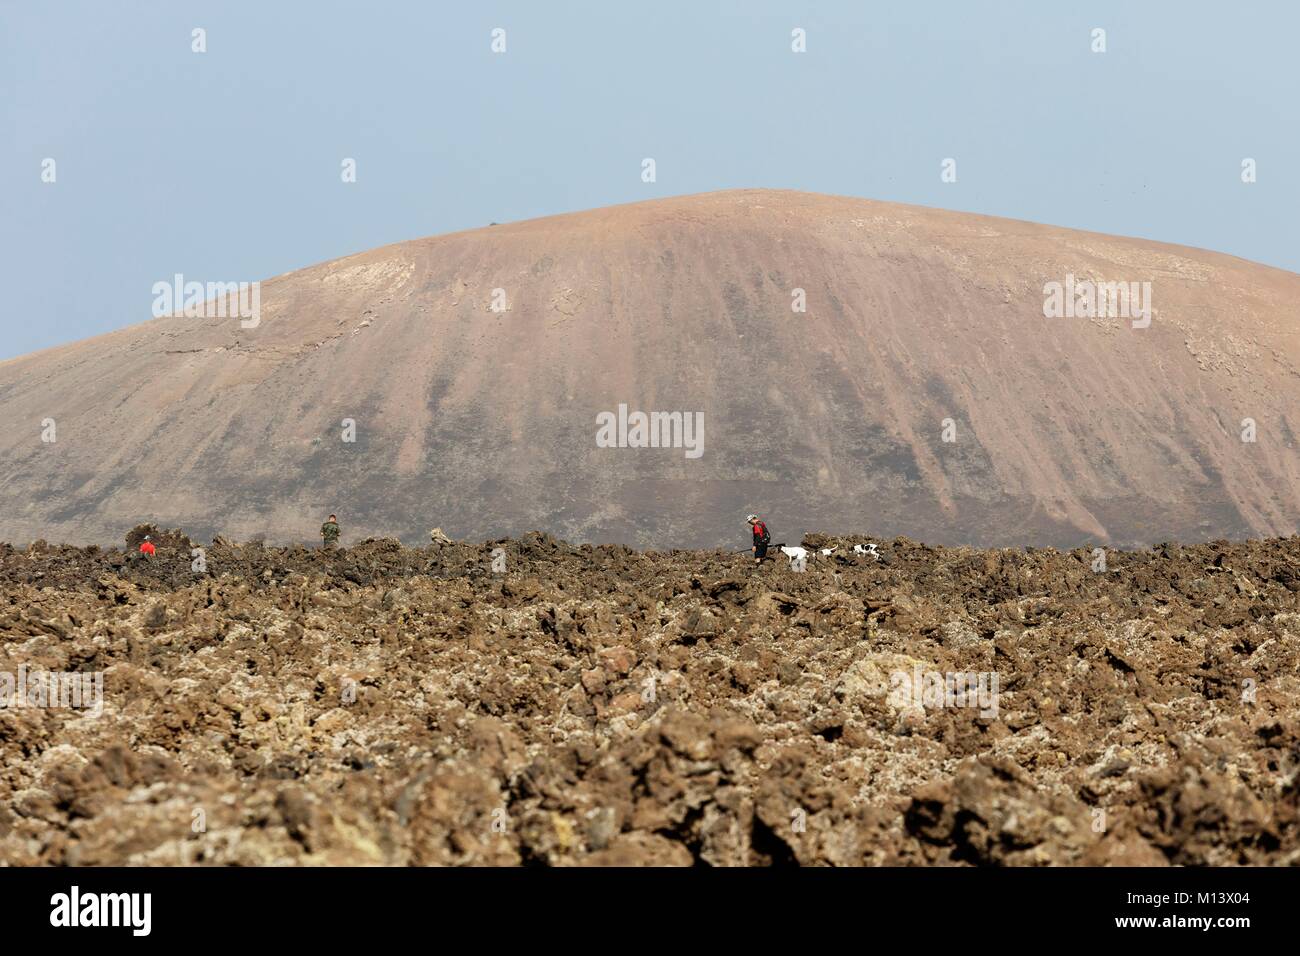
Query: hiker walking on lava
x: 761, y: 538
x: 329, y: 533
x: 147, y: 548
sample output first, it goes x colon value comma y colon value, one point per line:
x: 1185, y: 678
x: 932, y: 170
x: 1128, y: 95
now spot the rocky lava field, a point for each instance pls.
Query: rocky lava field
x: 594, y: 705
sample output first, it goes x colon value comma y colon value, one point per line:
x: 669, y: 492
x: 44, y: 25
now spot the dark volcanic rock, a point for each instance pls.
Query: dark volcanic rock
x: 602, y: 706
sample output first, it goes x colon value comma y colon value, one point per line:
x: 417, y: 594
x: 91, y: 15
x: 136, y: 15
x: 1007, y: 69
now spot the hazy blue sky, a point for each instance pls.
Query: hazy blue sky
x: 225, y: 165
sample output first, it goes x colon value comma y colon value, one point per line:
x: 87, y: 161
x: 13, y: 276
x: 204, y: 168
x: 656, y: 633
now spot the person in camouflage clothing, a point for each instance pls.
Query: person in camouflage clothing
x: 329, y: 533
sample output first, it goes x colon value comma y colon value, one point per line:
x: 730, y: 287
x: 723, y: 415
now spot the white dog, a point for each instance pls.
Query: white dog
x: 799, y: 556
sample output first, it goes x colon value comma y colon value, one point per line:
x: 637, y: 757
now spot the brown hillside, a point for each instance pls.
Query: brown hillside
x: 1068, y: 430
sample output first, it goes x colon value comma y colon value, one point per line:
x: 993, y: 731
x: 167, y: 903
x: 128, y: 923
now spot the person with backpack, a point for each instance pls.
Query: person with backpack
x: 147, y: 548
x: 761, y: 537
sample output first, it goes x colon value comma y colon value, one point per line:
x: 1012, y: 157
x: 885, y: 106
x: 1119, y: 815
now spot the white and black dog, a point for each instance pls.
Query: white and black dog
x: 800, y: 556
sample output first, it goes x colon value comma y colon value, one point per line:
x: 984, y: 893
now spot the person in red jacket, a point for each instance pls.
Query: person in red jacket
x: 761, y: 537
x: 146, y: 547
